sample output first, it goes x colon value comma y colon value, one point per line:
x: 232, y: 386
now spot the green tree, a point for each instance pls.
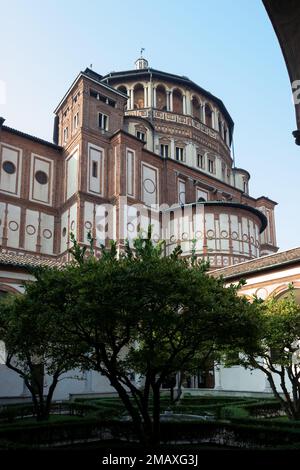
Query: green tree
x: 35, y: 345
x: 276, y: 349
x: 152, y: 316
x: 139, y: 313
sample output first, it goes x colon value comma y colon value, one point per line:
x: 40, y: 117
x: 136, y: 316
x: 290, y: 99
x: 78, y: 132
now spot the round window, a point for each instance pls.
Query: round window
x: 9, y: 167
x: 41, y: 177
x: 64, y: 232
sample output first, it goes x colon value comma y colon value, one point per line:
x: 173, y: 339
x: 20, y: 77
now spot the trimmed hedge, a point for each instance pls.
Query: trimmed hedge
x: 214, y: 432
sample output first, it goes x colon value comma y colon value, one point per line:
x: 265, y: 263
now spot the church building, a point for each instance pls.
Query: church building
x: 129, y: 149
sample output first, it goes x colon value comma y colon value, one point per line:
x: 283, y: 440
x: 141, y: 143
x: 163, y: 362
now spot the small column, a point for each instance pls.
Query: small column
x: 203, y: 113
x: 154, y: 97
x: 219, y: 378
x: 145, y: 97
x: 188, y: 103
x: 129, y: 101
x: 213, y: 119
x: 149, y: 96
x: 184, y: 104
x: 171, y: 100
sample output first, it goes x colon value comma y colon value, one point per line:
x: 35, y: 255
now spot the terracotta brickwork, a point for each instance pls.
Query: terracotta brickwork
x: 49, y: 190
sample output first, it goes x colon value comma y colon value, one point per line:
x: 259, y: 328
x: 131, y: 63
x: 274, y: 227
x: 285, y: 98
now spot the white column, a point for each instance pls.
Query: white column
x: 218, y: 383
x: 150, y: 96
x: 203, y: 113
x: 130, y: 101
x: 154, y: 97
x: 213, y: 119
x: 184, y: 104
x: 145, y: 97
x: 171, y: 100
x: 188, y: 103
x: 172, y: 148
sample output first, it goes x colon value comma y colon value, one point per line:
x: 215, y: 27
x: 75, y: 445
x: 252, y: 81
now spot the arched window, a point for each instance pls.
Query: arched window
x: 225, y: 133
x: 161, y: 98
x: 220, y: 124
x: 138, y: 96
x: 177, y: 101
x: 208, y: 115
x: 123, y: 89
x: 196, y: 108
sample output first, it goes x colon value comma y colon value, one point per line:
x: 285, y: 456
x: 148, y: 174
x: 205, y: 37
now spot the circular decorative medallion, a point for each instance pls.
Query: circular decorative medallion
x: 252, y: 240
x: 210, y: 234
x: 47, y: 233
x: 41, y: 177
x: 9, y: 167
x: 88, y: 225
x: 130, y: 227
x: 13, y: 225
x: 234, y: 235
x: 224, y: 234
x: 184, y: 236
x: 149, y: 186
x: 72, y: 225
x: 30, y: 229
x: 245, y: 237
x: 198, y: 234
x: 64, y: 232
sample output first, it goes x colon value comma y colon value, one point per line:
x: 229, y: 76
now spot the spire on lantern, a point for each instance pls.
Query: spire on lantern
x: 141, y: 62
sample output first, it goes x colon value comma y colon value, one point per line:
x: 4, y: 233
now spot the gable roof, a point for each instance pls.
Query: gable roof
x: 257, y: 265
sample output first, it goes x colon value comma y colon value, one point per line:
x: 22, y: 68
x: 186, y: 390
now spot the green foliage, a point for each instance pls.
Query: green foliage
x: 276, y: 323
x: 33, y: 339
x: 138, y: 312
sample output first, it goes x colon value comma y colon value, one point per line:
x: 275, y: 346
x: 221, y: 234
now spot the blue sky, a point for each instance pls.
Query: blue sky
x: 226, y: 46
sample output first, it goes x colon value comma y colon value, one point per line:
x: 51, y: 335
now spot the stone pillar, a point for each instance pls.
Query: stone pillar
x: 154, y: 97
x: 213, y: 119
x: 150, y: 96
x: 130, y: 100
x: 145, y: 97
x: 218, y: 383
x: 188, y: 103
x: 171, y: 100
x: 203, y: 114
x: 184, y: 104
